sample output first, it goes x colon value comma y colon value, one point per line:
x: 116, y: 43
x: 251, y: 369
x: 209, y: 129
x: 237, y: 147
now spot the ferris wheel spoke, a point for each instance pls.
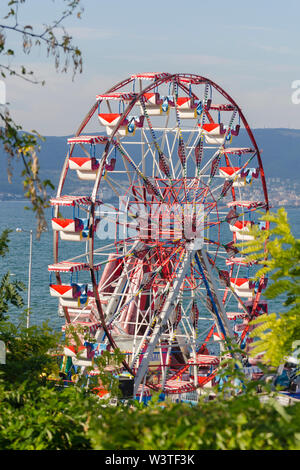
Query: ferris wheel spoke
x: 155, y: 168
x: 164, y: 316
x: 170, y: 153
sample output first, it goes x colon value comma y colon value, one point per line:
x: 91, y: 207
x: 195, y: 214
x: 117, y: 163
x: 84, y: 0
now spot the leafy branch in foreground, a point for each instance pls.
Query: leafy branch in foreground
x: 107, y: 363
x: 53, y: 36
x: 276, y: 334
x: 10, y: 294
x: 59, y: 45
x: 35, y: 413
x: 25, y: 146
x: 4, y: 242
x: 28, y: 356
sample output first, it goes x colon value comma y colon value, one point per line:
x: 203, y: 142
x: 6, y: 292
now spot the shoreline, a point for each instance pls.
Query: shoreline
x: 275, y: 206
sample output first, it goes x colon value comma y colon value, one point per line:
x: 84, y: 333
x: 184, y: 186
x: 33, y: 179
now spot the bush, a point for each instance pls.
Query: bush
x: 44, y: 418
x: 239, y: 423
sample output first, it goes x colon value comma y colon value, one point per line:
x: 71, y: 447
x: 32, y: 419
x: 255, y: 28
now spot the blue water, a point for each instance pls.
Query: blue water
x: 13, y: 215
x: 44, y: 307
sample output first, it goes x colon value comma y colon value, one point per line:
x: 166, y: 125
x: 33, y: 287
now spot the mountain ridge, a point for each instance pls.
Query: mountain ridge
x: 280, y: 153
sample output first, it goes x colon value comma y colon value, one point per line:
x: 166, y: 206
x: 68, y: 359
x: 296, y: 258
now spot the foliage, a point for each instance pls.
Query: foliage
x: 4, y: 240
x: 25, y: 146
x: 52, y: 35
x: 276, y: 333
x: 44, y: 418
x: 10, y: 294
x: 108, y: 364
x: 239, y: 423
x: 59, y: 45
x: 37, y: 415
x: 236, y: 418
x: 28, y: 353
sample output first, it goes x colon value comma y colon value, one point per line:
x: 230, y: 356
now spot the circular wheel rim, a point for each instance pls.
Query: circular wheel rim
x: 181, y: 83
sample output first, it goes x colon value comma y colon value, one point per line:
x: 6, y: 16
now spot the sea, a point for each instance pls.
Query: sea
x: 43, y: 306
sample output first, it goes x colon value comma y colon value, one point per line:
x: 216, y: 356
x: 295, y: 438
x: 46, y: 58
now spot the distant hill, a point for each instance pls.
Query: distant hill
x: 51, y: 158
x: 280, y: 151
x: 280, y: 155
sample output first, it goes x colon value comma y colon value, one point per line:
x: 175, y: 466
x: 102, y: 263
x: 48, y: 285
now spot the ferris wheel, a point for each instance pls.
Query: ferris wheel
x: 167, y: 176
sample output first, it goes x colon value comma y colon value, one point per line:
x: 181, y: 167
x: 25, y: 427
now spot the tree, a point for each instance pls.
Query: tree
x: 45, y: 419
x: 29, y: 356
x: 37, y: 413
x: 276, y: 333
x: 58, y: 45
x: 240, y: 423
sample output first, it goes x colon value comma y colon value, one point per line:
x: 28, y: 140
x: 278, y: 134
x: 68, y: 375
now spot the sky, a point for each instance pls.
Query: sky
x: 250, y: 48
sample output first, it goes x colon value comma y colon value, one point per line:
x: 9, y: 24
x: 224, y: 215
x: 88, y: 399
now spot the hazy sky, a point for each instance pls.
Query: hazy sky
x: 250, y: 48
